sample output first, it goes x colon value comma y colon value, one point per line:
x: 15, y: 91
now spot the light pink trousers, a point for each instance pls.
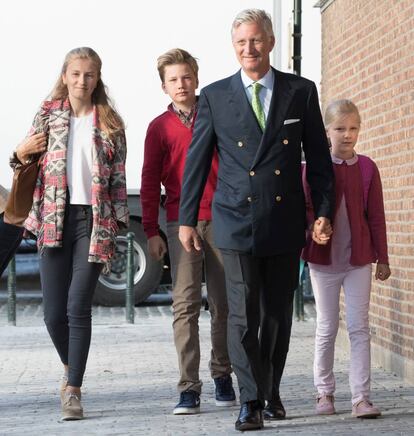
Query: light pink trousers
x: 356, y: 283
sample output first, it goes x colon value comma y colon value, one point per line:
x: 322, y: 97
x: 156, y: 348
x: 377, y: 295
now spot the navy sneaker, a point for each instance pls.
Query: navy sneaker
x: 225, y: 396
x: 189, y: 403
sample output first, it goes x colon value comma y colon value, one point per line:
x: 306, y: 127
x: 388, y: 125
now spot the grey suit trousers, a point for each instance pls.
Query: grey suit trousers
x: 260, y: 299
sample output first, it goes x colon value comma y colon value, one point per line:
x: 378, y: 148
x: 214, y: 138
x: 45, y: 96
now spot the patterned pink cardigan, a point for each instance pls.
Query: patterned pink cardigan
x: 109, y: 197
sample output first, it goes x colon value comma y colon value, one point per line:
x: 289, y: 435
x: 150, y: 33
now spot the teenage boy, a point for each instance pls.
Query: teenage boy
x: 166, y: 144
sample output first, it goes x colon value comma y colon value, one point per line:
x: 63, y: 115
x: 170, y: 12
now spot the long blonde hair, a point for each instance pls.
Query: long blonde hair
x: 110, y: 121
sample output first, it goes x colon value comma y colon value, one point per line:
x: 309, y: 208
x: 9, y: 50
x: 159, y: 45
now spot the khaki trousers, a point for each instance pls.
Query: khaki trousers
x: 187, y: 271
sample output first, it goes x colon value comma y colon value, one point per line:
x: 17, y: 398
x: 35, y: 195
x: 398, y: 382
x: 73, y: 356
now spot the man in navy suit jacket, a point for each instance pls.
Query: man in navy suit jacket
x: 258, y: 208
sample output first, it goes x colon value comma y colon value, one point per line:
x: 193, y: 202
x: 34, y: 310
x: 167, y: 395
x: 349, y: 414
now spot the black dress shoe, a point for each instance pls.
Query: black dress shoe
x: 250, y: 417
x: 274, y: 410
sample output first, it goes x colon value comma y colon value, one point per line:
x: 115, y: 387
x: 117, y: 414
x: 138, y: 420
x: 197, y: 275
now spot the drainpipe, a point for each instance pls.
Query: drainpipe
x: 297, y: 36
x: 297, y: 59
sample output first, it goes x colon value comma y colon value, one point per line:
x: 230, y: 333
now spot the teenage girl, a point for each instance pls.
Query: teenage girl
x: 79, y: 204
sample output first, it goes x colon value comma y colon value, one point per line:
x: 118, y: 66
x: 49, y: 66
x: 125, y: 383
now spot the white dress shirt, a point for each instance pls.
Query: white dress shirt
x: 265, y: 95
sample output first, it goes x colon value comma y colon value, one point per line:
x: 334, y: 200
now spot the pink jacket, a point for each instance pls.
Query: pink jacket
x: 109, y: 196
x: 367, y: 223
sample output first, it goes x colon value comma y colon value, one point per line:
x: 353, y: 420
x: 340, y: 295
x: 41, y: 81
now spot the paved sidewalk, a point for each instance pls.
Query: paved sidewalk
x: 130, y: 382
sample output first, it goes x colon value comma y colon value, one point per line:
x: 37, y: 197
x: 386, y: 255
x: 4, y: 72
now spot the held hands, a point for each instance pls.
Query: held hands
x: 382, y: 272
x: 322, y: 231
x: 156, y: 247
x: 189, y: 238
x: 31, y: 145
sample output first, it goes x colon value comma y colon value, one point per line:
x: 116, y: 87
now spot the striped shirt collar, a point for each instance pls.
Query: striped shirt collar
x: 186, y: 118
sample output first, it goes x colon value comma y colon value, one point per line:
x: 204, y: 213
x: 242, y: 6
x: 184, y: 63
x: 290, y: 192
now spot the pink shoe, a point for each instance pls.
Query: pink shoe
x: 365, y: 409
x: 325, y: 405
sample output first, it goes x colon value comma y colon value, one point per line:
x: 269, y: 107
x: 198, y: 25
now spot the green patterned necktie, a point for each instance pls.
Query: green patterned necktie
x: 257, y: 105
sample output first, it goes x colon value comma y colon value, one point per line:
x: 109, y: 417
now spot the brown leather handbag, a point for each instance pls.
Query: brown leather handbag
x: 20, y: 199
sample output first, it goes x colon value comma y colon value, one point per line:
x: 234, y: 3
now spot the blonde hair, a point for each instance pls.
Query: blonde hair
x: 339, y: 108
x: 111, y: 122
x: 258, y: 16
x: 173, y: 57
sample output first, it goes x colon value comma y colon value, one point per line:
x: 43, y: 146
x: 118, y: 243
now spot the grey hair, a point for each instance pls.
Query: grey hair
x: 258, y: 16
x: 338, y: 108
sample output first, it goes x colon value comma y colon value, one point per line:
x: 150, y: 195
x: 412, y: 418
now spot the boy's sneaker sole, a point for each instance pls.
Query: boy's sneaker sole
x: 186, y: 410
x: 226, y: 403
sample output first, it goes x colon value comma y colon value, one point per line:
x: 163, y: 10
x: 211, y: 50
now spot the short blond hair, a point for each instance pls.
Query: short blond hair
x: 338, y: 108
x: 173, y: 57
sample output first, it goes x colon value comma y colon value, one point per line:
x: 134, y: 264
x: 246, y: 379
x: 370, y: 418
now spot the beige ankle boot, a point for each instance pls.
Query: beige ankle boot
x: 71, y: 407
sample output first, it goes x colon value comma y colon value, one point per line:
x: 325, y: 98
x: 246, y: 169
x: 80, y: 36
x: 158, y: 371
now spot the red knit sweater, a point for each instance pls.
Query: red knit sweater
x: 368, y: 228
x: 166, y: 146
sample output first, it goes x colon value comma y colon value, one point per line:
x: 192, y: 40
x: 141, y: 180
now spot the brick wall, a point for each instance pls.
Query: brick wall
x: 368, y: 57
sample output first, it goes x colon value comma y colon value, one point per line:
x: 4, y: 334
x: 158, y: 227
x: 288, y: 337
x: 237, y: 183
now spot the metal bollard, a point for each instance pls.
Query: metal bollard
x: 307, y: 284
x: 298, y: 297
x: 301, y: 305
x: 11, y: 288
x: 130, y: 295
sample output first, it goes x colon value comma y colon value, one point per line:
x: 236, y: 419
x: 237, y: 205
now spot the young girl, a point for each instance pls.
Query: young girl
x: 359, y: 239
x: 78, y: 205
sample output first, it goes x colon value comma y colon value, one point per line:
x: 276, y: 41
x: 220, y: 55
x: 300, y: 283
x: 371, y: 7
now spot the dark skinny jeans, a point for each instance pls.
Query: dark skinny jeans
x: 68, y: 283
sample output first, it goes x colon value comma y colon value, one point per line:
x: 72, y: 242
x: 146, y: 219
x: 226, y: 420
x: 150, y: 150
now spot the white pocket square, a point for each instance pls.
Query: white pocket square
x: 291, y: 121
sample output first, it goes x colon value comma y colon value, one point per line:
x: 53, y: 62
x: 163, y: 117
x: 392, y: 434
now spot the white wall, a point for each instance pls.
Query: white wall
x: 311, y: 41
x: 128, y: 35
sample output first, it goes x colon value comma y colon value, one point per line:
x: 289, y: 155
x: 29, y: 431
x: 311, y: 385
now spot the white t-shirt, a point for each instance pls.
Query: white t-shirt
x: 79, y: 159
